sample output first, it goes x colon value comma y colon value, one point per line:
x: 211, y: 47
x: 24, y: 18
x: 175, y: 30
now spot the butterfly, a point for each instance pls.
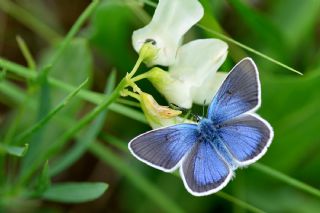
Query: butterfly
x: 208, y: 153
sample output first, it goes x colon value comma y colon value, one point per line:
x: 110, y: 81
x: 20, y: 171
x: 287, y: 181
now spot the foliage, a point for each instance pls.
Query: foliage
x: 52, y: 116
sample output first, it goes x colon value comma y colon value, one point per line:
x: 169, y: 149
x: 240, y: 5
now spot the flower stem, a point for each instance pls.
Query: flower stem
x: 135, y: 68
x: 131, y: 94
x: 141, y: 76
x: 61, y: 141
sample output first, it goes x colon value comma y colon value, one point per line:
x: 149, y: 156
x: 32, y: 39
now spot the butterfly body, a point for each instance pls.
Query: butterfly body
x: 207, y: 153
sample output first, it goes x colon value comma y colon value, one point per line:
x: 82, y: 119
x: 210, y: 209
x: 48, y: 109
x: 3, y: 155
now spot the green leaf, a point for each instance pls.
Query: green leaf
x: 111, y: 37
x: 71, y: 156
x: 137, y: 179
x: 296, y: 18
x: 29, y: 20
x: 260, y: 25
x: 73, y: 67
x: 27, y: 133
x: 74, y: 192
x: 17, y: 151
x: 294, y: 114
x: 3, y: 74
x: 43, y: 182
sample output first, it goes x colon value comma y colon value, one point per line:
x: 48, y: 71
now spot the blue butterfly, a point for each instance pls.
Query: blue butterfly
x: 231, y: 136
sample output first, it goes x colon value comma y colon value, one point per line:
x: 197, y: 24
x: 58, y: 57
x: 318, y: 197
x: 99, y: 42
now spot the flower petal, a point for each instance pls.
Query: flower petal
x: 171, y: 20
x: 197, y: 60
x: 174, y: 90
x: 204, y: 94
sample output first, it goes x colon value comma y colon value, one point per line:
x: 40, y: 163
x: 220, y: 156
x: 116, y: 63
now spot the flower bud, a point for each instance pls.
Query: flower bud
x: 157, y: 115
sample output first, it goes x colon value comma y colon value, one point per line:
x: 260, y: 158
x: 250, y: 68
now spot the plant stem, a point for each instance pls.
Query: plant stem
x: 136, y: 178
x: 287, y: 179
x: 96, y: 98
x: 74, y: 30
x: 238, y: 202
x: 26, y: 53
x: 68, y: 134
x: 29, y: 20
x: 87, y: 95
x: 61, y: 141
x: 226, y: 38
x: 27, y: 133
x: 121, y: 145
x: 141, y: 76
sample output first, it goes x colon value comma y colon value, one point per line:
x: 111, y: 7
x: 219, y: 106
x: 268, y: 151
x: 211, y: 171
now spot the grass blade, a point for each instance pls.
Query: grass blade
x: 136, y: 178
x: 123, y: 147
x: 228, y: 39
x: 17, y: 151
x: 74, y: 192
x: 287, y: 179
x: 26, y: 134
x: 74, y: 29
x: 29, y: 20
x: 89, y: 136
x: 85, y: 94
x: 239, y: 202
x: 26, y: 53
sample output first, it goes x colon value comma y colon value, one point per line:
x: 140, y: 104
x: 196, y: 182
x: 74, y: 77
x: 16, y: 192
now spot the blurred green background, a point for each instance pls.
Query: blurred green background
x: 285, y: 30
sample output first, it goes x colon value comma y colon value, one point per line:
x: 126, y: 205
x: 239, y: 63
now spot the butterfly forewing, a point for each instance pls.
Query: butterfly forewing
x: 203, y: 170
x: 239, y: 93
x: 164, y: 148
x: 246, y: 137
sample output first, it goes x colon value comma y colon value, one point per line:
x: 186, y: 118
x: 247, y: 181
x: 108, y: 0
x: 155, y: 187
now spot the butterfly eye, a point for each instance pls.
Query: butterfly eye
x: 229, y: 92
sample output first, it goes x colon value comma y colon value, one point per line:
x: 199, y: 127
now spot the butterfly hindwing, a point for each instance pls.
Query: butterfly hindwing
x: 247, y: 138
x: 203, y: 170
x: 239, y: 93
x: 165, y: 147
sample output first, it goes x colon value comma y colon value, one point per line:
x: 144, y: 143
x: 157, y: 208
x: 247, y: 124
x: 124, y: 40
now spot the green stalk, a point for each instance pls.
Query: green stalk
x: 26, y: 53
x: 28, y: 19
x: 126, y: 81
x: 74, y: 30
x: 27, y: 133
x: 136, y: 178
x: 87, y: 95
x: 287, y: 179
x: 68, y: 134
x: 239, y: 202
x: 89, y: 135
x: 123, y: 147
x: 228, y: 39
x: 96, y: 98
x: 220, y: 34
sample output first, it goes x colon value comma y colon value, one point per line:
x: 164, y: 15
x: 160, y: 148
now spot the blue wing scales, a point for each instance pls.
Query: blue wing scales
x: 165, y: 147
x: 203, y: 170
x: 246, y: 137
x: 239, y: 93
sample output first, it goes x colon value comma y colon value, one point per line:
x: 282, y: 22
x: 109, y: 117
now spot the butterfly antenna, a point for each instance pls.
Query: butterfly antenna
x: 204, y: 103
x: 174, y: 106
x: 187, y: 111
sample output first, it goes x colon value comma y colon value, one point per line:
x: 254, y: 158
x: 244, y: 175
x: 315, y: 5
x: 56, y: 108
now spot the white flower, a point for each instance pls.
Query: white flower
x: 171, y: 20
x: 193, y: 77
